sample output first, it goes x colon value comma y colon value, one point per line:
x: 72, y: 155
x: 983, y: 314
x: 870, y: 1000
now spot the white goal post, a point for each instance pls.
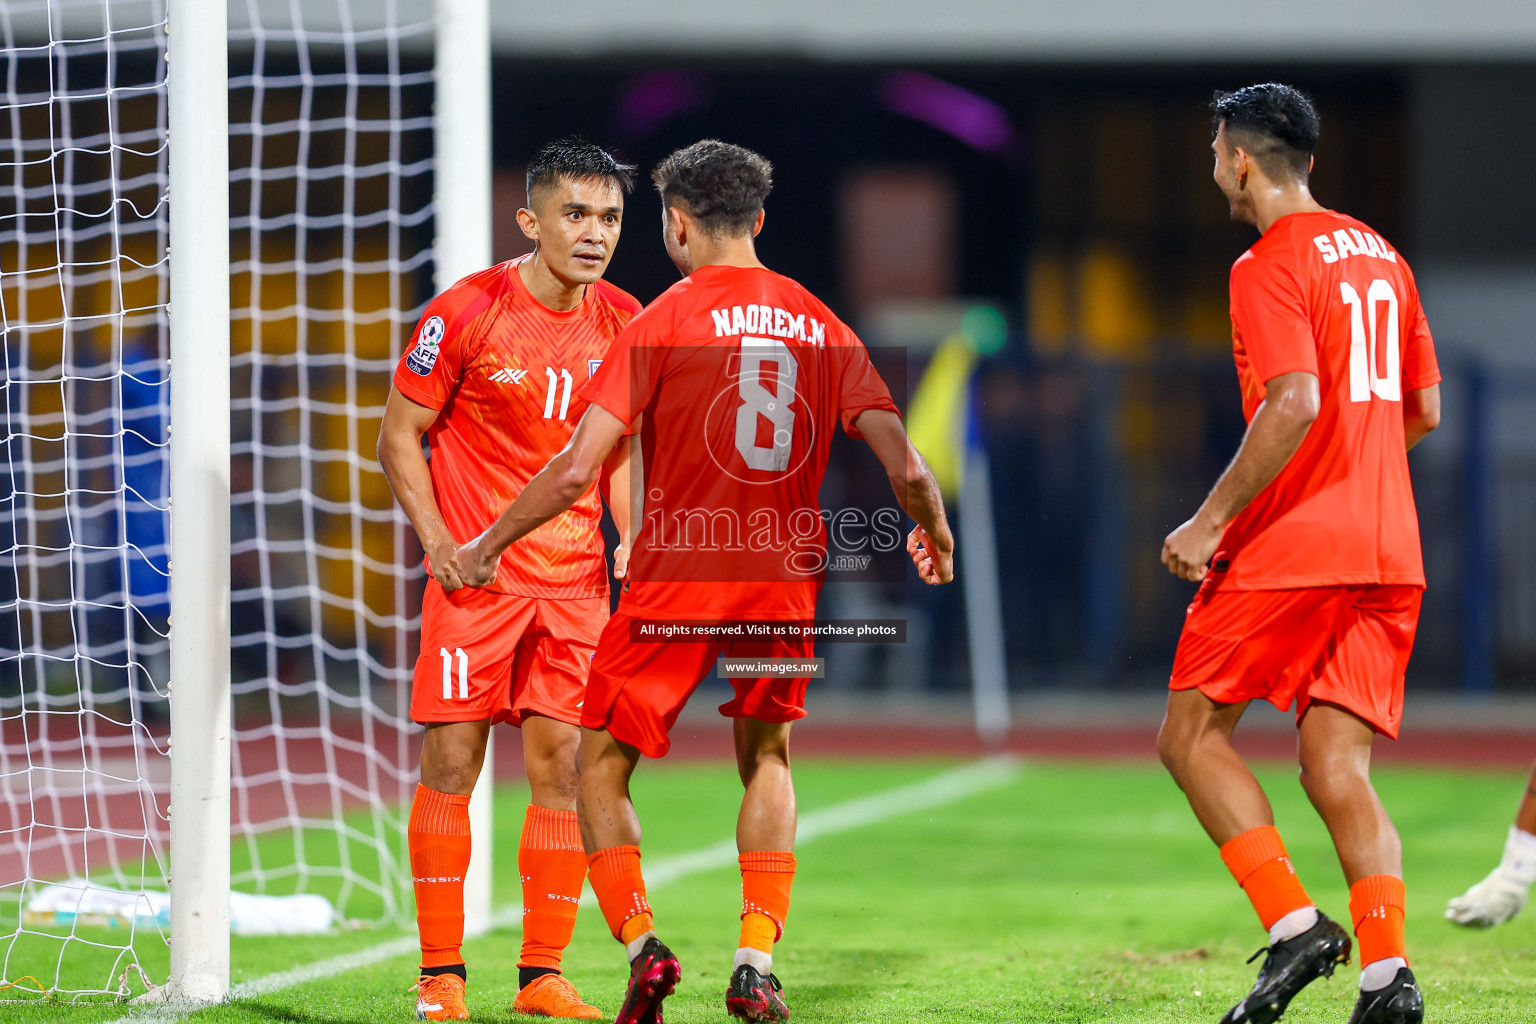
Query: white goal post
x: 219, y: 221
x: 463, y: 247
x: 200, y: 634
x: 200, y: 495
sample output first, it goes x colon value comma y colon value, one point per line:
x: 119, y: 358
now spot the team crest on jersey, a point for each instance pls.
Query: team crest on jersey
x: 592, y: 365
x: 428, y: 344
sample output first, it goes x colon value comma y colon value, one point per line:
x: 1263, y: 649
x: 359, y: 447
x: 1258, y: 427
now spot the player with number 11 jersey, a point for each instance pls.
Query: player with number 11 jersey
x: 505, y: 372
x: 490, y: 377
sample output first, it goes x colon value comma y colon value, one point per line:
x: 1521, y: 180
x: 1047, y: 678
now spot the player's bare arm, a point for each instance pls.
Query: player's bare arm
x: 624, y: 488
x: 405, y: 467
x: 931, y: 544
x: 1291, y: 403
x: 1421, y: 413
x: 553, y: 489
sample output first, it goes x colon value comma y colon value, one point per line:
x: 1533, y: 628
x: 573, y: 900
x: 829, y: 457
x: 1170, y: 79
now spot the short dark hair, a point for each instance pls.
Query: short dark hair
x: 578, y: 160
x: 722, y: 186
x: 1277, y: 123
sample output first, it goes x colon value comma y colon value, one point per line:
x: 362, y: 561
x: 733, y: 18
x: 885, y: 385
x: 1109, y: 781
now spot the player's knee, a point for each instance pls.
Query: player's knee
x: 591, y: 773
x: 1321, y: 787
x: 1173, y: 746
x: 756, y: 749
x: 750, y: 762
x: 1327, y: 777
x: 550, y: 749
x: 451, y: 757
x: 450, y: 771
x: 552, y: 775
x: 601, y: 764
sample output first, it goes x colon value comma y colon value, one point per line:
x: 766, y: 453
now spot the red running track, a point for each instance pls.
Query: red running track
x: 299, y: 773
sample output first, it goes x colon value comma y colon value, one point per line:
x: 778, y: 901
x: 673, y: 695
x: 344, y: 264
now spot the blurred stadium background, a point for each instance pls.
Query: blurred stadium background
x: 1027, y: 183
x: 1049, y: 161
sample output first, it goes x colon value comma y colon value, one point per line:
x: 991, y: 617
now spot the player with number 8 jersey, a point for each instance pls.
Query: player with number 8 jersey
x: 741, y: 378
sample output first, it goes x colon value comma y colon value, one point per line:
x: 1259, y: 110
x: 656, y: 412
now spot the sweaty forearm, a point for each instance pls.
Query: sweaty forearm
x: 921, y: 498
x: 1272, y: 438
x: 405, y: 467
x: 553, y: 490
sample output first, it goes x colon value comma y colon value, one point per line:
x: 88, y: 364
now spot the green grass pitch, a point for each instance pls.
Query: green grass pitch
x: 1071, y: 893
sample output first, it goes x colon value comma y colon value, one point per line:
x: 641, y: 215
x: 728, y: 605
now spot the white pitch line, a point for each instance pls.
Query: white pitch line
x: 944, y: 788
x: 941, y: 789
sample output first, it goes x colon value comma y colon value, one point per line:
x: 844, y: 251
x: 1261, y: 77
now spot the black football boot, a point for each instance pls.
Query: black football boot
x: 754, y: 997
x: 1290, y: 966
x: 1401, y: 1002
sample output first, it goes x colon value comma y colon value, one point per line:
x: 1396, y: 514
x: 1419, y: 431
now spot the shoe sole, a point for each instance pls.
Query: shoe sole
x: 524, y: 1011
x: 648, y: 990
x: 759, y: 1011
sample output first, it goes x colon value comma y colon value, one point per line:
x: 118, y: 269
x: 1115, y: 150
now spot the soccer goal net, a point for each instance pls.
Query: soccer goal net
x: 330, y: 240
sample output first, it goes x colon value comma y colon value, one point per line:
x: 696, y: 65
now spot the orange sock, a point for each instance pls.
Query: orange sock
x: 552, y: 865
x: 1257, y: 859
x: 1376, y: 908
x: 620, y: 889
x: 765, y: 881
x: 438, y: 835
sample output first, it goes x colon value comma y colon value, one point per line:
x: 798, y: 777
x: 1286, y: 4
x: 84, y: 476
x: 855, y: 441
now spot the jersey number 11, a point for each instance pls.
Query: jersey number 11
x: 564, y: 377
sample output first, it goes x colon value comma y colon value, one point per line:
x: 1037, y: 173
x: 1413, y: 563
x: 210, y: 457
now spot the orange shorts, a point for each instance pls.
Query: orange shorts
x: 1343, y: 645
x: 500, y: 656
x: 637, y: 690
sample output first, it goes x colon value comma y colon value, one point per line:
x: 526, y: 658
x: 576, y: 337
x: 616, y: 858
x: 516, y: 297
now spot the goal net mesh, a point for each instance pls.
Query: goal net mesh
x: 331, y: 141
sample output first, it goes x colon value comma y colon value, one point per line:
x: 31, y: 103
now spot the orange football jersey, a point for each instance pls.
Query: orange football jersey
x: 504, y: 371
x: 1322, y: 293
x: 743, y: 376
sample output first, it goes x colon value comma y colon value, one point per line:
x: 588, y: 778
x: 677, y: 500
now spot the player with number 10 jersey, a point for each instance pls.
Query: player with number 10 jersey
x: 1323, y: 294
x: 1320, y: 293
x: 1307, y: 551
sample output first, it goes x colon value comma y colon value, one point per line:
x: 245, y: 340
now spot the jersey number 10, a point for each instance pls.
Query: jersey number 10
x: 1365, y: 345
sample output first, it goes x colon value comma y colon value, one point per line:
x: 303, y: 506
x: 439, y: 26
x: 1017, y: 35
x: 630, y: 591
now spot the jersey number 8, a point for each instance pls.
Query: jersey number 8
x: 776, y: 406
